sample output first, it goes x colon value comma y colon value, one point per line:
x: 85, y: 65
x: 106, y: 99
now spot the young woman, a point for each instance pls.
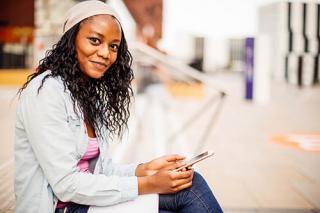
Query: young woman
x: 78, y: 97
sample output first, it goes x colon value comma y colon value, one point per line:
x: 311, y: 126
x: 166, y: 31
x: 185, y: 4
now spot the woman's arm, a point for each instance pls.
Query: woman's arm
x: 44, y: 118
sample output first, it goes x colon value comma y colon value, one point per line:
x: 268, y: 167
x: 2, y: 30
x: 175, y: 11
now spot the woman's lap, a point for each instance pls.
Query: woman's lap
x: 198, y: 198
x: 73, y: 208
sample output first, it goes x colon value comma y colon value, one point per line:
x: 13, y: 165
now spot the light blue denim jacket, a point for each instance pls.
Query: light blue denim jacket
x: 50, y: 140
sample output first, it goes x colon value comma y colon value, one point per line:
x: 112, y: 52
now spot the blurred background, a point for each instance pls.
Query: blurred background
x: 240, y: 78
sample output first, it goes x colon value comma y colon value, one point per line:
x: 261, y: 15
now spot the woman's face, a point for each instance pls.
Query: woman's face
x: 97, y: 44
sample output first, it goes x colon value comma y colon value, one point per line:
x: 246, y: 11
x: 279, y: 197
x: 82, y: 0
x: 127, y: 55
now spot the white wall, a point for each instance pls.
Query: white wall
x: 127, y: 22
x: 217, y: 20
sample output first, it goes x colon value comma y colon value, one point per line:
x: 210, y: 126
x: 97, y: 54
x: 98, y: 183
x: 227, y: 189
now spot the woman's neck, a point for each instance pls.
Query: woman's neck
x: 90, y: 130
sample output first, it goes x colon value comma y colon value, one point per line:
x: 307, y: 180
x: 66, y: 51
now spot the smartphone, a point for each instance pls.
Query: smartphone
x: 195, y: 160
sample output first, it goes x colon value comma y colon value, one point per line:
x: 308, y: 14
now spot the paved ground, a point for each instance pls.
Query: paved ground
x: 7, y: 117
x: 247, y: 172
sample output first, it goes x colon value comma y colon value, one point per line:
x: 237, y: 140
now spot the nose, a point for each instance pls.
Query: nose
x: 103, y: 51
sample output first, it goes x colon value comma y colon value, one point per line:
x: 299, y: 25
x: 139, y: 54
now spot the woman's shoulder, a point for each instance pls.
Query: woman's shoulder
x: 44, y: 82
x: 49, y: 80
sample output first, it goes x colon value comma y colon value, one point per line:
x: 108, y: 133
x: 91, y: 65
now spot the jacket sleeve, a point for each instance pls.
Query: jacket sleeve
x: 112, y: 168
x: 54, y: 145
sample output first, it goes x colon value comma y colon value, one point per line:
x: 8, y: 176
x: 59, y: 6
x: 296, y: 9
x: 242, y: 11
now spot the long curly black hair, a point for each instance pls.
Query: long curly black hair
x: 104, y: 102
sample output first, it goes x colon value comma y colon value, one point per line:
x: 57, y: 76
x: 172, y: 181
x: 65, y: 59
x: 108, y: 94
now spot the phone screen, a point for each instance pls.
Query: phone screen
x: 196, y: 158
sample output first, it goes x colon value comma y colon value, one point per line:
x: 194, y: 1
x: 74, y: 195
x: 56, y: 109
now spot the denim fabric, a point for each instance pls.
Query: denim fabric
x: 73, y: 208
x: 198, y: 198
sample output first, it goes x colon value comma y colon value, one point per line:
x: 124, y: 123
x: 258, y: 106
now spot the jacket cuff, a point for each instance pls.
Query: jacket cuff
x: 129, y: 188
x: 132, y: 169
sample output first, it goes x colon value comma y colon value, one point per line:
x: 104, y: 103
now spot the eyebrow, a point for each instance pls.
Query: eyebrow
x: 101, y: 35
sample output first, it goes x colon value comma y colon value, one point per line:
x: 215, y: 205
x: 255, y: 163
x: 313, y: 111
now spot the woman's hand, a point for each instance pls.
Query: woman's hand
x: 167, y: 162
x: 165, y: 182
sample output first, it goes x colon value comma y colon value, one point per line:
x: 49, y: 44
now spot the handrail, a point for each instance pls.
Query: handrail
x: 189, y: 72
x: 178, y: 66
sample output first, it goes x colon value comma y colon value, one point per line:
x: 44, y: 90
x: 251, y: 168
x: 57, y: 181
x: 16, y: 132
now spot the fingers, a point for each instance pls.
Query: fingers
x: 182, y: 174
x: 183, y: 183
x: 178, y: 165
x: 174, y: 158
x: 183, y: 186
x: 171, y: 182
x: 183, y: 170
x: 174, y: 165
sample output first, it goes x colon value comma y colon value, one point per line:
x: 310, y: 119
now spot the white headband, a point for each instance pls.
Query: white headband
x: 86, y: 9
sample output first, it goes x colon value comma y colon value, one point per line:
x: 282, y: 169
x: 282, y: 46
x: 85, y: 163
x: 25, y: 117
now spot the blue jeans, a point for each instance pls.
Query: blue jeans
x: 198, y: 198
x: 73, y: 208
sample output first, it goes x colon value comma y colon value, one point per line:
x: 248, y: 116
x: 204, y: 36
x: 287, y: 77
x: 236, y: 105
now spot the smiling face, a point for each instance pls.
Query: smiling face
x: 97, y: 44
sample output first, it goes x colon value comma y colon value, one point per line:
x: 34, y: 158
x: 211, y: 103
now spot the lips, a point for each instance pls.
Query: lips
x: 99, y: 65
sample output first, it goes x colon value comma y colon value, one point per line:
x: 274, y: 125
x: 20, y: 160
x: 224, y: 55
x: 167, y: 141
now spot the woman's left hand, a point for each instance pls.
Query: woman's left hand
x: 167, y: 162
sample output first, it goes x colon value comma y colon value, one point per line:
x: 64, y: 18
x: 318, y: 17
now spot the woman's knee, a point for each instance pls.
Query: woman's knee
x: 201, y: 194
x: 198, y: 180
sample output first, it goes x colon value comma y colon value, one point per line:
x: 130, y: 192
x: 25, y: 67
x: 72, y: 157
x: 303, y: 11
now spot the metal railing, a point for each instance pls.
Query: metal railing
x: 144, y: 54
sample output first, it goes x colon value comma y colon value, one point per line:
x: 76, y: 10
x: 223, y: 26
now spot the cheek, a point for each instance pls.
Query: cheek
x: 83, y: 54
x: 81, y: 60
x: 80, y: 55
x: 113, y: 58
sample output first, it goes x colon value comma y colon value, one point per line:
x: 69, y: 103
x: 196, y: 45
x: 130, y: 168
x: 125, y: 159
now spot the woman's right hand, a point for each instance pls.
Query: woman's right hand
x: 165, y: 182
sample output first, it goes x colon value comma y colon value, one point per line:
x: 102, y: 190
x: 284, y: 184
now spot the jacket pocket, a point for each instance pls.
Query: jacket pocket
x: 74, y: 123
x: 78, y: 129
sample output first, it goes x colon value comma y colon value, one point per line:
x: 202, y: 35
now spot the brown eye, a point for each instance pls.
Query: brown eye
x: 94, y: 41
x: 114, y: 47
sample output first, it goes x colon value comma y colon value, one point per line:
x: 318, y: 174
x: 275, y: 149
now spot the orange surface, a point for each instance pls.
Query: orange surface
x: 302, y: 141
x: 181, y: 89
x: 16, y: 34
x: 14, y: 77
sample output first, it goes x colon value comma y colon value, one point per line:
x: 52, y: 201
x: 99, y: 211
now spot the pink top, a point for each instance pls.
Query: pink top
x: 91, y: 153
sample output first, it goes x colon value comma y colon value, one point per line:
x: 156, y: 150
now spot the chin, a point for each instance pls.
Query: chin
x: 96, y: 75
